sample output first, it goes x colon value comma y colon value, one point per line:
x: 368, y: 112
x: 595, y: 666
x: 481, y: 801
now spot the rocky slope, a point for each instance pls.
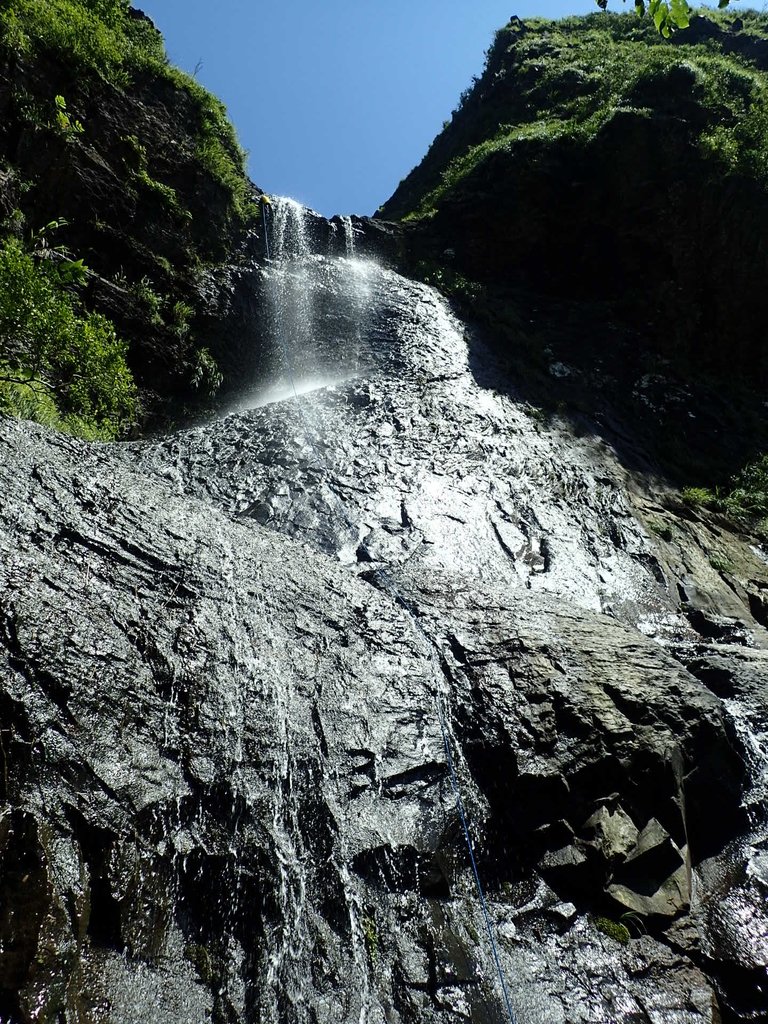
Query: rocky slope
x: 227, y: 791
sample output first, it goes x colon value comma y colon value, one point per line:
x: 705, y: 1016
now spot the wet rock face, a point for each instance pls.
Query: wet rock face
x: 224, y: 773
x: 177, y: 761
x: 551, y: 608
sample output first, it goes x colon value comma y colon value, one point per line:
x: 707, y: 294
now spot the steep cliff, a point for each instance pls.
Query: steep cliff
x: 99, y: 131
x: 599, y: 198
x: 388, y: 697
x: 242, y: 663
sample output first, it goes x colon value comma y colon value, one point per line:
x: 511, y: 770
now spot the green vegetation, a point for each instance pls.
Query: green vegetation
x: 95, y: 36
x: 139, y: 173
x: 748, y: 495
x: 614, y: 929
x: 667, y: 15
x: 371, y: 936
x: 162, y: 312
x: 66, y: 124
x: 150, y: 300
x: 98, y: 37
x: 145, y: 166
x: 660, y: 529
x: 745, y: 499
x: 697, y: 496
x: 721, y: 564
x: 449, y: 282
x: 206, y: 376
x: 574, y: 75
x: 58, y: 365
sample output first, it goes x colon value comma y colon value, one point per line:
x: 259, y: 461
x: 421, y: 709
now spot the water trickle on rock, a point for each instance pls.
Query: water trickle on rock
x: 244, y: 793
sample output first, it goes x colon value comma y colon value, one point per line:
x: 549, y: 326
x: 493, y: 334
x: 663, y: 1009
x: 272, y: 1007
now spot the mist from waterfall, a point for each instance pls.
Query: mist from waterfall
x: 304, y: 292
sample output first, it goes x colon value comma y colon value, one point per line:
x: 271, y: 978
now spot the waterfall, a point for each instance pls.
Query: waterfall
x: 309, y: 838
x: 304, y: 294
x: 349, y: 236
x: 299, y: 285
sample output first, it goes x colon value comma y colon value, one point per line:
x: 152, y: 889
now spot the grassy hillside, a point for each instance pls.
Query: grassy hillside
x: 547, y: 80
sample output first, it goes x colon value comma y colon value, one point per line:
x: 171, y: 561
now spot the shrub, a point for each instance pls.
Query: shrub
x: 28, y: 398
x: 698, y: 496
x: 138, y: 168
x: 451, y: 283
x: 205, y: 376
x: 749, y: 493
x: 152, y: 302
x: 181, y: 313
x: 58, y: 365
x: 745, y: 499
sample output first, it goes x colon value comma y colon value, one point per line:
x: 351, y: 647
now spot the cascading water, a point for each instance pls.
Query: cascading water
x: 297, y: 285
x: 303, y: 304
x: 237, y: 794
x: 290, y: 941
x: 349, y: 236
x: 511, y: 514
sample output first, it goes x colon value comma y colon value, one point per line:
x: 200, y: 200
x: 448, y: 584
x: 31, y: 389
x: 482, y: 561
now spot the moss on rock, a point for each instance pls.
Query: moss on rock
x: 613, y: 929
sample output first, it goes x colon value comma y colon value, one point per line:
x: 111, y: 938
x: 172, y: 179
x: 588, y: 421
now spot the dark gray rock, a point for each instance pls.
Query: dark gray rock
x: 180, y: 732
x: 225, y: 658
x: 656, y: 876
x: 611, y: 832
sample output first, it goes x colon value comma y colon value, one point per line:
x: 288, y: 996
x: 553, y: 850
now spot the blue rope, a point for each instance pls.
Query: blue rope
x: 399, y: 599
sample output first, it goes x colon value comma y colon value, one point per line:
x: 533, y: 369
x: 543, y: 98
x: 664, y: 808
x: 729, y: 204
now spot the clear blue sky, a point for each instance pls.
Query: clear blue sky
x: 336, y: 100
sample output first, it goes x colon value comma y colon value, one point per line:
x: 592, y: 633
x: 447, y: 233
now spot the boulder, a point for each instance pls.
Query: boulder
x: 655, y: 878
x: 611, y: 832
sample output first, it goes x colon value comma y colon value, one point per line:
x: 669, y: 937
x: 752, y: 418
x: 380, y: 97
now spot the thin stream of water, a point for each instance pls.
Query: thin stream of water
x: 294, y: 322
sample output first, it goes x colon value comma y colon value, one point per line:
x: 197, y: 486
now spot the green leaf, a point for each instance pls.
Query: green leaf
x: 681, y: 13
x: 73, y: 272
